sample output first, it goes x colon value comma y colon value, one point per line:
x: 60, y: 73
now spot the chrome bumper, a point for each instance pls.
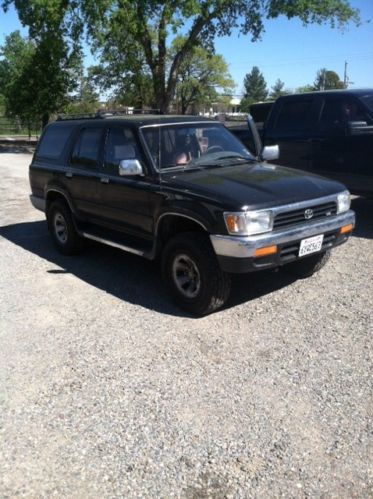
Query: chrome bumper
x: 38, y: 203
x: 244, y: 247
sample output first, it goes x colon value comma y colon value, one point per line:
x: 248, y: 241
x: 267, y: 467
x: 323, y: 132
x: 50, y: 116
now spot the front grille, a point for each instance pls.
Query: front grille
x: 294, y: 217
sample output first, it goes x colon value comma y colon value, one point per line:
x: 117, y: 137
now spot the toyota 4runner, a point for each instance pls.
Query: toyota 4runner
x: 186, y: 190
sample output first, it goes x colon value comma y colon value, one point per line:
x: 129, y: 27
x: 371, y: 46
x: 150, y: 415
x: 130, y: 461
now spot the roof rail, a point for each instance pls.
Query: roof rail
x: 106, y: 114
x: 129, y: 111
x: 78, y: 116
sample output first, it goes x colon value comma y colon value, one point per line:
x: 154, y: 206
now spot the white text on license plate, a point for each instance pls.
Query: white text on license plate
x: 310, y: 245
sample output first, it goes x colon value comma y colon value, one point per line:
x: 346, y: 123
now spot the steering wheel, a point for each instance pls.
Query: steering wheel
x: 214, y: 149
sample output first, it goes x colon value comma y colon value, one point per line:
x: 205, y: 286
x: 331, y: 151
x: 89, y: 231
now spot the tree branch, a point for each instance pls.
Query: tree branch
x: 197, y: 27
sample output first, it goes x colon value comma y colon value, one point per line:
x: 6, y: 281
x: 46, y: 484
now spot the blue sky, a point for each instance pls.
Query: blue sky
x: 287, y: 50
x: 294, y: 53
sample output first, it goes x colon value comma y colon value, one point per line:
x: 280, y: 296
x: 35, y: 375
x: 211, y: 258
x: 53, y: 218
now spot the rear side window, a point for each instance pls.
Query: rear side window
x: 87, y: 148
x: 54, y: 141
x: 260, y: 112
x: 294, y: 114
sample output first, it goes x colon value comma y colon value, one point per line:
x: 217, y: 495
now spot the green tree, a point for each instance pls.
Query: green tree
x: 35, y: 76
x: 54, y: 31
x: 327, y: 80
x: 201, y: 75
x: 16, y: 56
x: 255, y: 89
x: 305, y: 89
x: 278, y: 90
x: 2, y: 99
x: 86, y: 98
x: 124, y: 75
x: 148, y: 24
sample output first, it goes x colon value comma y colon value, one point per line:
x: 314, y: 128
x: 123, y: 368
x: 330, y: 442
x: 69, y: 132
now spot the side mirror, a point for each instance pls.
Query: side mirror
x: 270, y: 153
x: 358, y: 128
x: 130, y: 168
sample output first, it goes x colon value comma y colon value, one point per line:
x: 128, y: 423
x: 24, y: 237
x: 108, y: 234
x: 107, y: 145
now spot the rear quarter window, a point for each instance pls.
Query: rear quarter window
x: 53, y: 142
x: 294, y: 114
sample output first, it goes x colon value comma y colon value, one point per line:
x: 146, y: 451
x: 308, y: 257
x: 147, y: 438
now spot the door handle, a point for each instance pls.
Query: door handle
x: 68, y: 174
x: 104, y: 180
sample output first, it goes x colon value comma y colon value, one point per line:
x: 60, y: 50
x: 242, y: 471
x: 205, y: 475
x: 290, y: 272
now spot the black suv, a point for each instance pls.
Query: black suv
x: 186, y: 190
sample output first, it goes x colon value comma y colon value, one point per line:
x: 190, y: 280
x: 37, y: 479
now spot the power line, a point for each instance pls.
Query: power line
x: 304, y: 61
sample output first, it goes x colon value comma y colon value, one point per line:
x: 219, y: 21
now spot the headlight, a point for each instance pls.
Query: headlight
x: 247, y: 223
x: 343, y: 202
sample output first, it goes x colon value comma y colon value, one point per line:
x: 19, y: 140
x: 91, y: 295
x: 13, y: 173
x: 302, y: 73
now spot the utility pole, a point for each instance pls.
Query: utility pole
x: 345, y: 79
x: 323, y: 79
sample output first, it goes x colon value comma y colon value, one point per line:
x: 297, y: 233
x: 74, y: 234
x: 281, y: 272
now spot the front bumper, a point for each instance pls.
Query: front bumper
x: 236, y: 254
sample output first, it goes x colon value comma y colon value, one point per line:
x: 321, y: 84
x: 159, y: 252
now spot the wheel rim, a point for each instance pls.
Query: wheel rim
x: 186, y: 276
x: 60, y: 228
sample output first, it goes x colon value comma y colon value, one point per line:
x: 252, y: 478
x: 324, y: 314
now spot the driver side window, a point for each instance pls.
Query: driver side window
x: 337, y: 112
x: 120, y: 144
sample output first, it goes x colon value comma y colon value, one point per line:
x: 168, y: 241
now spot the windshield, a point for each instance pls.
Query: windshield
x: 368, y: 101
x: 194, y: 145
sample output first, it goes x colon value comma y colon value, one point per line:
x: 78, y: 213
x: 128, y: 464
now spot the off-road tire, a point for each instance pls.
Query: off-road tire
x: 59, y: 213
x: 214, y: 284
x: 307, y: 266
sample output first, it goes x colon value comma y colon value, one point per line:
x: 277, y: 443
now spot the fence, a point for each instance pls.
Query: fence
x: 13, y: 127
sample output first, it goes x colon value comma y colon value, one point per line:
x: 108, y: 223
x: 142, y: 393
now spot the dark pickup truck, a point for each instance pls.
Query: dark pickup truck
x: 328, y: 133
x: 184, y: 189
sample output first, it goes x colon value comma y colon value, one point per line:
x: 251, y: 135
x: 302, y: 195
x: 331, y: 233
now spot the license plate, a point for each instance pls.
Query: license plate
x: 310, y: 245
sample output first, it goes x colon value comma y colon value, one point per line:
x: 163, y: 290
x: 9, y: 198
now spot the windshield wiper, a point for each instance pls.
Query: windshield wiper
x: 227, y: 161
x: 238, y: 157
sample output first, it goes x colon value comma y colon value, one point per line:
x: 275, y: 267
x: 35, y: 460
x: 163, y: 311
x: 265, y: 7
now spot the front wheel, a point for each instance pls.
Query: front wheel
x: 307, y: 266
x: 192, y: 273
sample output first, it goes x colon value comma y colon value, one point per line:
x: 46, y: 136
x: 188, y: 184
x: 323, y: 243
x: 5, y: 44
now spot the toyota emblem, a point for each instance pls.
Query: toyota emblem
x: 308, y: 214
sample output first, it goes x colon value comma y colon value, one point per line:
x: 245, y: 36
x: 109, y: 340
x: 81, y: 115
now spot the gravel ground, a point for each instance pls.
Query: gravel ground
x: 108, y: 390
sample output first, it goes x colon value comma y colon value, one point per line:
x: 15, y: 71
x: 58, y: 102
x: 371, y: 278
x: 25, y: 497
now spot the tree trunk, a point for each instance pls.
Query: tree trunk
x: 45, y: 120
x: 162, y: 100
x: 184, y: 105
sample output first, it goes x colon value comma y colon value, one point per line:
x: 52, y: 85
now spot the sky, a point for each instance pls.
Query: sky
x: 287, y: 50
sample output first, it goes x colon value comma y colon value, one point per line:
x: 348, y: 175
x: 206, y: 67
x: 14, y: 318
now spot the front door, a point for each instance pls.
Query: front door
x: 340, y: 153
x: 124, y: 201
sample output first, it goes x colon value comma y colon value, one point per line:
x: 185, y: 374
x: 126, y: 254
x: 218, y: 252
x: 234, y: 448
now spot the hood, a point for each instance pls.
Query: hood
x: 251, y: 185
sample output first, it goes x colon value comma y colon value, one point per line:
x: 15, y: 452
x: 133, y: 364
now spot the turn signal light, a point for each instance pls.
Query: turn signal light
x: 267, y: 250
x: 346, y: 228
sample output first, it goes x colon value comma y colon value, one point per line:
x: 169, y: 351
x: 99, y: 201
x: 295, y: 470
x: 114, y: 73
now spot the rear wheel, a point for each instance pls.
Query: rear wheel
x: 192, y: 273
x: 308, y: 266
x: 62, y: 228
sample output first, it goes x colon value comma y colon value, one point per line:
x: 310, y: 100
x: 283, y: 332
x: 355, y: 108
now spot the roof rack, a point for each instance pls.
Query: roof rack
x: 106, y: 114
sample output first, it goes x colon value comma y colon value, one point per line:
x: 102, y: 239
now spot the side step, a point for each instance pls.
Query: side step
x: 115, y: 239
x: 116, y: 245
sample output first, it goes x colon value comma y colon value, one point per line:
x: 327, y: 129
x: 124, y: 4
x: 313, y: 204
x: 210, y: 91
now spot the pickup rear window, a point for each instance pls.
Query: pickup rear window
x: 53, y: 141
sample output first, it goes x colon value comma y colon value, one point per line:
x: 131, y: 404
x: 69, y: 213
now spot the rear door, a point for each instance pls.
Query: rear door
x: 82, y: 175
